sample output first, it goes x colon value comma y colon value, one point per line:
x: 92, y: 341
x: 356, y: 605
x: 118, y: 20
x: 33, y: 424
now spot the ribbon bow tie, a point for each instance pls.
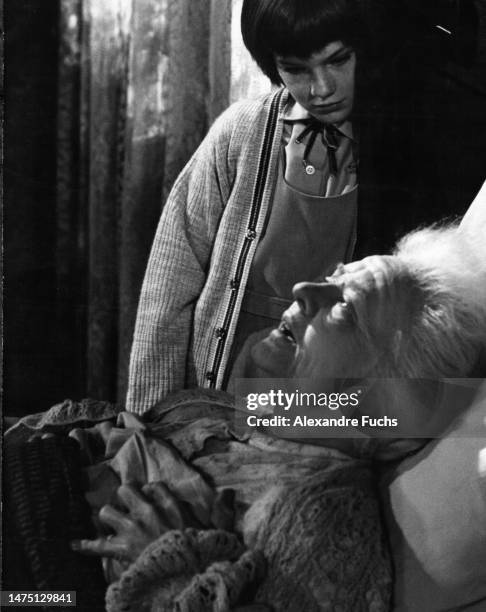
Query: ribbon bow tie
x: 330, y: 137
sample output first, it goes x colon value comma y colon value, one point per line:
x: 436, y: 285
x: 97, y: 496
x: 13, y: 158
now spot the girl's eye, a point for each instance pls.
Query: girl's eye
x: 293, y: 70
x: 340, y: 60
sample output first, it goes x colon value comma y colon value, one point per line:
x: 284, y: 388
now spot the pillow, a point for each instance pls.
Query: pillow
x: 435, y: 509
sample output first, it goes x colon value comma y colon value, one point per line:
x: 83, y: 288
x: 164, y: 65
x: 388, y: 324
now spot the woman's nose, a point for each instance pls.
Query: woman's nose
x: 311, y: 297
x: 323, y: 83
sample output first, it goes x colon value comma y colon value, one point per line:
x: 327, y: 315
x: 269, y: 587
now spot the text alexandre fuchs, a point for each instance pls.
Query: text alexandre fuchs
x: 332, y: 401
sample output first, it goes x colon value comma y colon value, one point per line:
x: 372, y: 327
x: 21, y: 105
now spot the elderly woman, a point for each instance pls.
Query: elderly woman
x: 274, y: 176
x: 305, y: 529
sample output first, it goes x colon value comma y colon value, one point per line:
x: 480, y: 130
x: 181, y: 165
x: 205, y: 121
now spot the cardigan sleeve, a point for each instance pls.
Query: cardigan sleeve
x: 176, y: 271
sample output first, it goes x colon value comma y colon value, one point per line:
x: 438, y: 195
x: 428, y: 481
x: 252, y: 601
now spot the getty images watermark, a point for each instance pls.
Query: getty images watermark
x: 381, y: 408
x: 302, y: 406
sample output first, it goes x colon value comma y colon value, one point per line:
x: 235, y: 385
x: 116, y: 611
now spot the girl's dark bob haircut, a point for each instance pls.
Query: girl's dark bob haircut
x: 299, y: 28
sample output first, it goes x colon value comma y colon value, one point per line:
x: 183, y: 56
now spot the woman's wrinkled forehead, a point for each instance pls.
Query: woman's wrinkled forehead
x: 351, y: 283
x: 367, y: 275
x: 383, y: 292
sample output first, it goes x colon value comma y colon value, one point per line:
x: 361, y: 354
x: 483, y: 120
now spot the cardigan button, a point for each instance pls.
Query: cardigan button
x: 210, y: 376
x: 220, y: 332
x: 251, y: 234
x: 234, y: 284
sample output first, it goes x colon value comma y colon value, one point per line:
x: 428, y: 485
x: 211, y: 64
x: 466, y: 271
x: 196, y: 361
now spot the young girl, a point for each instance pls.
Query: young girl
x: 270, y: 197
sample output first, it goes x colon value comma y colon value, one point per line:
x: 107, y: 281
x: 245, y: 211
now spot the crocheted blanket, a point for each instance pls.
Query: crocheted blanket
x: 307, y: 536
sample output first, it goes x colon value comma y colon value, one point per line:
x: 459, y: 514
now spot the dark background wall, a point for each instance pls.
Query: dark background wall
x: 434, y: 89
x: 41, y: 366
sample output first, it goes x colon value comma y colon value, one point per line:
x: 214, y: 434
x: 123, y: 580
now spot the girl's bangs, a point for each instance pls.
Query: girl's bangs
x: 301, y: 33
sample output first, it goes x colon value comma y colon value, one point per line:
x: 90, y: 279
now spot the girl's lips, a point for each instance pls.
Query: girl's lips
x: 327, y: 107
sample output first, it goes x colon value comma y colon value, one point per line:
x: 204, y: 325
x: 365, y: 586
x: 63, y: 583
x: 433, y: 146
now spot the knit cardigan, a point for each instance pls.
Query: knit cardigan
x: 202, y: 253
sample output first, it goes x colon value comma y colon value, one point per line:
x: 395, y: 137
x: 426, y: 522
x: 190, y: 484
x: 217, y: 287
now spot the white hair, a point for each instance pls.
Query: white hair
x: 448, y: 330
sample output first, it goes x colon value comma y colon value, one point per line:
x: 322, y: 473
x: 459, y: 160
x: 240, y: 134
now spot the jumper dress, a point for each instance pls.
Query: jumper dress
x: 305, y: 237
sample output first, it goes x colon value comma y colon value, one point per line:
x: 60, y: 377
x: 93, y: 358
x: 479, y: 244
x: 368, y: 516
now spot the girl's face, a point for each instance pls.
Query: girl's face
x: 322, y: 83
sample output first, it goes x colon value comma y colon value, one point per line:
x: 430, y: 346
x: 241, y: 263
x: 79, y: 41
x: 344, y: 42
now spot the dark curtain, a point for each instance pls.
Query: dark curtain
x: 29, y: 218
x: 135, y: 93
x: 107, y: 100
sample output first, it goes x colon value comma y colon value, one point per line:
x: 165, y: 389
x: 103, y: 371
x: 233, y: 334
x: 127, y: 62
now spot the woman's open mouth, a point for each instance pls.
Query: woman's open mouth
x: 285, y: 330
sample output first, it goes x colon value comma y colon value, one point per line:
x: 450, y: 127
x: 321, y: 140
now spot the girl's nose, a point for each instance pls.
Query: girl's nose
x: 311, y: 297
x: 323, y: 83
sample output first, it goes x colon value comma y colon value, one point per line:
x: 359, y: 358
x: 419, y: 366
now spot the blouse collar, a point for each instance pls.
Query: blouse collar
x: 294, y: 112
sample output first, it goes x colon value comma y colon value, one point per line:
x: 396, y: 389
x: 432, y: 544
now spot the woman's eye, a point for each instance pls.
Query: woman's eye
x: 342, y: 313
